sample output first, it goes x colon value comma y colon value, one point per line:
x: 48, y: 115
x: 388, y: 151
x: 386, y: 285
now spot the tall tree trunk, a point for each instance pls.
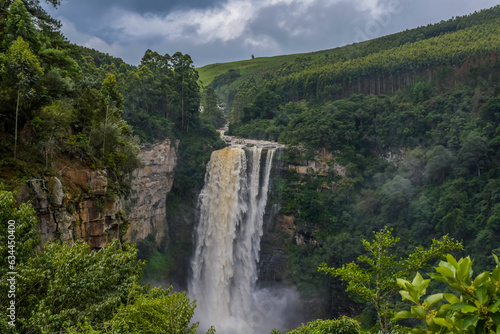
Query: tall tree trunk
x: 17, y: 116
x: 105, y: 130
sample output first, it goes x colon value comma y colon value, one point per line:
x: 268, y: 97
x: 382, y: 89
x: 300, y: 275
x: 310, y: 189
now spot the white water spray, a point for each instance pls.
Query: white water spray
x: 232, y: 205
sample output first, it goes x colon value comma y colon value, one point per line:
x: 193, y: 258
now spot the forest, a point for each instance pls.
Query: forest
x: 410, y: 121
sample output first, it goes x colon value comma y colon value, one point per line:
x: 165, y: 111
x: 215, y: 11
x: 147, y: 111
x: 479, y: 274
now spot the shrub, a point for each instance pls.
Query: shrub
x: 342, y: 325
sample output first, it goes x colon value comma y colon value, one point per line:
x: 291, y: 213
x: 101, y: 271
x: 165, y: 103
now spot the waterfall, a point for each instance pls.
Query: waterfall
x: 224, y: 267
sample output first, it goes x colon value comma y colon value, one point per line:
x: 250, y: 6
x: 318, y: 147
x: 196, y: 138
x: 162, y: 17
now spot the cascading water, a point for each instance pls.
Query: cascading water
x: 232, y: 205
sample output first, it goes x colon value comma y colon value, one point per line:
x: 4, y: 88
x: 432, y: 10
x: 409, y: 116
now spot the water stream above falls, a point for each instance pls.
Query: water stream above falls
x: 224, y: 267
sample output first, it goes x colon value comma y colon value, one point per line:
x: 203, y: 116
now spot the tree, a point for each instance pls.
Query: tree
x: 156, y: 312
x: 24, y: 72
x: 438, y: 165
x: 474, y: 151
x: 476, y: 309
x: 185, y: 84
x: 65, y: 285
x: 112, y: 100
x: 376, y: 282
x: 47, y: 25
x: 27, y: 237
x: 19, y: 23
x: 342, y: 325
x: 211, y: 111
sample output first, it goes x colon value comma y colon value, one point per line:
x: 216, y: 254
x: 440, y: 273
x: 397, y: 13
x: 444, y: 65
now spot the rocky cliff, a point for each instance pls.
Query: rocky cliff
x: 146, y: 210
x: 75, y: 205
x: 79, y: 203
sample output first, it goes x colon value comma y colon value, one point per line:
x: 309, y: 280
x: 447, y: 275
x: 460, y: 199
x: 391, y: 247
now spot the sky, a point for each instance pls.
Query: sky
x: 218, y: 31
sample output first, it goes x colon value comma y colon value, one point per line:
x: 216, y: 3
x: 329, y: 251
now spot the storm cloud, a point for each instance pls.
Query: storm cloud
x: 227, y: 30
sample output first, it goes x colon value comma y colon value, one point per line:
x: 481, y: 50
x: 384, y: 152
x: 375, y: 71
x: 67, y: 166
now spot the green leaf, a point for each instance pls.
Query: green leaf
x: 418, y: 331
x: 419, y: 311
x: 437, y: 277
x: 469, y: 321
x: 407, y: 296
x: 456, y: 306
x: 481, y: 278
x: 447, y: 265
x: 496, y: 318
x: 402, y: 315
x: 433, y: 299
x: 446, y: 272
x: 402, y: 283
x: 442, y: 322
x: 463, y: 271
x: 496, y: 258
x: 418, y: 281
x: 496, y: 274
x: 494, y: 307
x: 468, y: 309
x: 482, y: 294
x: 451, y: 298
x: 452, y: 260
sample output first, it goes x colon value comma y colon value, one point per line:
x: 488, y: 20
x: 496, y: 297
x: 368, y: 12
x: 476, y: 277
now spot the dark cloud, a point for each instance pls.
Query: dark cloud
x: 226, y: 30
x: 98, y: 8
x: 321, y: 27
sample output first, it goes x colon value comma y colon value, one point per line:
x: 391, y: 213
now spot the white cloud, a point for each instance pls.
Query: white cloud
x: 225, y: 23
x: 372, y: 6
x: 217, y: 24
x: 264, y: 43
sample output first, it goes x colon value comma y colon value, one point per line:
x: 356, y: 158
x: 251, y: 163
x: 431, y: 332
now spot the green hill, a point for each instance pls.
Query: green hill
x: 329, y: 62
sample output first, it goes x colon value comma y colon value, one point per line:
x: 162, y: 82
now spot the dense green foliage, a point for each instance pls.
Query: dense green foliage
x: 373, y: 278
x: 156, y: 312
x: 54, y: 109
x: 212, y: 113
x: 341, y: 325
x: 63, y: 286
x: 72, y: 103
x: 475, y: 309
x: 162, y: 96
x: 26, y: 236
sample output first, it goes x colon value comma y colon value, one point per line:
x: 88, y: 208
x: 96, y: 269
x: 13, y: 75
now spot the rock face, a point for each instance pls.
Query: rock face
x: 67, y: 217
x: 146, y: 210
x: 322, y: 165
x: 76, y: 204
x: 273, y: 259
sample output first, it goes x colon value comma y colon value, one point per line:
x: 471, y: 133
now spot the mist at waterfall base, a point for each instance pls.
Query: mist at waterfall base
x: 224, y: 267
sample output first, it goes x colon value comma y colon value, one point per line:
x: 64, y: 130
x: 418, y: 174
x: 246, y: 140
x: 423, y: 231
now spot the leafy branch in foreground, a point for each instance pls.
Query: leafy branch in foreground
x: 375, y: 280
x: 476, y: 309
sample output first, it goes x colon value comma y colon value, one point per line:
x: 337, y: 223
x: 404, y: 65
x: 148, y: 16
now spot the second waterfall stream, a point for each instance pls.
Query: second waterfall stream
x: 224, y: 267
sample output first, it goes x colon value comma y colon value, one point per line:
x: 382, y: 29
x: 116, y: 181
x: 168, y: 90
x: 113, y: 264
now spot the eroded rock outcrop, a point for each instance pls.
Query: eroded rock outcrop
x: 81, y: 204
x: 79, y: 212
x: 322, y: 165
x: 146, y: 210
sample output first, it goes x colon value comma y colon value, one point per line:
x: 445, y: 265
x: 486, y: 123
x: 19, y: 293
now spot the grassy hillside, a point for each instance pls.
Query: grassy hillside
x: 323, y: 61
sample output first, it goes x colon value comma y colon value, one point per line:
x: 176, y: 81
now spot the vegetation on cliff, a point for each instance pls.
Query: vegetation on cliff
x: 64, y: 102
